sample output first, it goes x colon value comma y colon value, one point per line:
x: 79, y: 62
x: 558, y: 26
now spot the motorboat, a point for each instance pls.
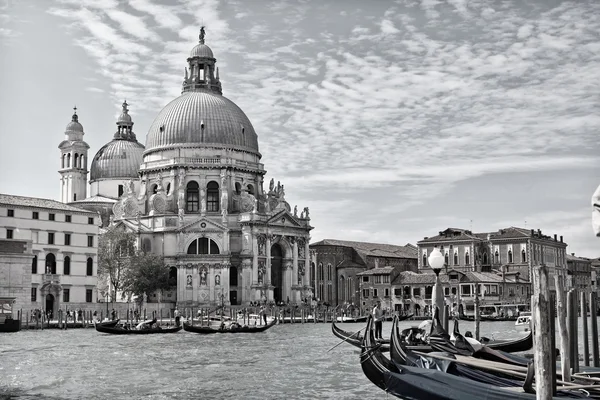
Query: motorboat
x: 7, y: 321
x: 523, y: 322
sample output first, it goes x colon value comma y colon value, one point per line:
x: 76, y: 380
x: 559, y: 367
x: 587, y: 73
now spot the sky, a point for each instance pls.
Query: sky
x: 390, y: 120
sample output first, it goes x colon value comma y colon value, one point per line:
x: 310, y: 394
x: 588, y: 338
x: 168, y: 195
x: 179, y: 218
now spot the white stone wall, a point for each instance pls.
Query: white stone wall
x: 15, y: 273
x: 26, y: 228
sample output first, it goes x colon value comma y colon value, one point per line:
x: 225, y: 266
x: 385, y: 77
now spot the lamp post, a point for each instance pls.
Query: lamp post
x: 436, y: 262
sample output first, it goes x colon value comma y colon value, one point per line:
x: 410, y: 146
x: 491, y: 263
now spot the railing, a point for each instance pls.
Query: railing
x: 201, y: 161
x: 51, y: 278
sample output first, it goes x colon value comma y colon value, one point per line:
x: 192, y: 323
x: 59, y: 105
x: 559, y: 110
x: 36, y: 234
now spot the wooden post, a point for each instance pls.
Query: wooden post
x: 477, y: 317
x: 573, y: 336
x: 584, y: 322
x: 594, y: 333
x: 570, y: 326
x: 563, y: 329
x: 541, y: 340
x: 446, y: 317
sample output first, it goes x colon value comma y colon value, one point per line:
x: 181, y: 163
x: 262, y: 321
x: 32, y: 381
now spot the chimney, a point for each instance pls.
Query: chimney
x: 555, y: 237
x: 561, y: 238
x: 532, y: 232
x: 573, y: 254
x: 540, y: 232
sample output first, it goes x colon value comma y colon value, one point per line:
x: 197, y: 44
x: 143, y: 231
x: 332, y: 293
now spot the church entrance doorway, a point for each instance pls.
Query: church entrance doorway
x: 50, y: 305
x: 277, y: 272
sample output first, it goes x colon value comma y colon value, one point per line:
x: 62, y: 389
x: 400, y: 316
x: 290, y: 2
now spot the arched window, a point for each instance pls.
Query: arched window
x: 67, y: 266
x: 251, y: 189
x: 467, y: 258
x: 313, y: 277
x: 320, y: 272
x: 63, y: 160
x: 173, y: 276
x: 212, y: 197
x: 154, y: 188
x: 523, y: 256
x: 424, y: 259
x: 496, y: 257
x: 428, y: 292
x: 34, y: 264
x: 485, y: 258
x: 50, y: 264
x: 76, y: 161
x: 69, y: 160
x: 146, y: 245
x: 168, y: 188
x: 192, y: 203
x: 89, y: 270
x: 455, y: 257
x: 233, y: 276
x: 329, y: 272
x: 238, y: 188
x: 203, y: 246
x: 82, y: 161
x: 510, y: 256
x: 446, y: 256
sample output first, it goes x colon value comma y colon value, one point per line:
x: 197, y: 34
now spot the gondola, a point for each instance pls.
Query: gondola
x: 507, y: 346
x: 355, y: 338
x: 116, y: 330
x: 109, y: 324
x: 416, y: 383
x: 205, y: 330
x: 348, y: 320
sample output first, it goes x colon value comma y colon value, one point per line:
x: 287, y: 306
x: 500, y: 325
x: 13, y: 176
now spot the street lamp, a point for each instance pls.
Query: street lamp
x: 436, y: 262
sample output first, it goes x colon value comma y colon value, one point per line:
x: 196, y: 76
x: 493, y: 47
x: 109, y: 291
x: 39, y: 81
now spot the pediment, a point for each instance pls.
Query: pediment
x: 284, y: 218
x: 203, y: 224
x: 127, y: 225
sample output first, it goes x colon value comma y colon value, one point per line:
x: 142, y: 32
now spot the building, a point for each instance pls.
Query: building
x: 579, y: 273
x: 64, y: 245
x: 194, y: 195
x: 412, y: 292
x: 511, y: 250
x: 15, y: 273
x: 343, y: 270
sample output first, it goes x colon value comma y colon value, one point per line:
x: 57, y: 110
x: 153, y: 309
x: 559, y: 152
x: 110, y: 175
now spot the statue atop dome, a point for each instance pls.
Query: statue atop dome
x: 202, y: 33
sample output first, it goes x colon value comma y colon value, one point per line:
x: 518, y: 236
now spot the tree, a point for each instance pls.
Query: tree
x: 115, y: 250
x: 147, y: 274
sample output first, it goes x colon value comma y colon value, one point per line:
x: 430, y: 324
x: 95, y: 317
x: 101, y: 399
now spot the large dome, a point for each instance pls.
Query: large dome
x: 201, y: 117
x: 118, y: 159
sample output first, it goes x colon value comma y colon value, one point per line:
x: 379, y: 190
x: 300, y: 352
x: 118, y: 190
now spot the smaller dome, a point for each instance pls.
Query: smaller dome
x: 118, y: 159
x: 201, y: 50
x: 124, y: 117
x: 74, y: 125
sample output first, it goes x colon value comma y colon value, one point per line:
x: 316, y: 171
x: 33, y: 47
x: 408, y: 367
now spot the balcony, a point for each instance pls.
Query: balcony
x: 50, y: 279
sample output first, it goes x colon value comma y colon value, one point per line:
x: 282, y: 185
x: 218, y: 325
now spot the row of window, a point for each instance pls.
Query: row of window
x: 465, y: 290
x: 325, y: 296
x: 321, y: 272
x: 375, y: 293
x: 78, y: 161
x: 51, y: 216
x: 377, y: 279
x: 51, y: 265
x: 456, y: 260
x: 66, y: 295
x: 51, y: 238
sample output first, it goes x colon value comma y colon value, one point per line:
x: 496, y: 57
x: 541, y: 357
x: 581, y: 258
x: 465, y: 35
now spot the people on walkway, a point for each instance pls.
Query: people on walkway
x: 378, y: 318
x: 177, y: 316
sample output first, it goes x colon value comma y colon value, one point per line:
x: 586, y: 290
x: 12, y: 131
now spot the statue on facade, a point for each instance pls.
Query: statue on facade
x: 203, y: 200
x: 130, y: 188
x: 306, y: 211
x: 260, y: 276
x: 278, y: 188
x: 254, y: 205
x: 202, y: 33
x: 282, y: 193
x: 181, y: 200
x: 189, y: 281
x: 271, y: 185
x: 224, y: 202
x: 295, y: 211
x: 302, y: 215
x: 180, y: 214
x: 217, y: 280
x: 203, y: 274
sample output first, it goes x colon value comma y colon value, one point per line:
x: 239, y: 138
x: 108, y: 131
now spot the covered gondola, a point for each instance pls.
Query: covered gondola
x: 117, y: 330
x: 417, y: 383
x: 232, y: 328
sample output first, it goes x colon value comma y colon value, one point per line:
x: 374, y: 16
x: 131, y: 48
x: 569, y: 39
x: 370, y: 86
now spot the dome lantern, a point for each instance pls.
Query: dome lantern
x: 125, y: 125
x: 201, y: 66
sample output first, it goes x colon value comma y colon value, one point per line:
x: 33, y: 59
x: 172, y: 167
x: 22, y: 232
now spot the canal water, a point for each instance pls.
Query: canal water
x: 286, y: 362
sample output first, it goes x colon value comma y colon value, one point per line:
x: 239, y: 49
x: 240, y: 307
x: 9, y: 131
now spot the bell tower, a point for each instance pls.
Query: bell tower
x: 73, y: 162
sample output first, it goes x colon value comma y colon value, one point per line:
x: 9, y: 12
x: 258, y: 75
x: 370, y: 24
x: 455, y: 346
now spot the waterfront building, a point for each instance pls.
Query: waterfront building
x: 511, y: 250
x: 579, y: 273
x: 194, y: 195
x: 15, y: 273
x: 64, y: 247
x: 412, y: 292
x: 344, y: 271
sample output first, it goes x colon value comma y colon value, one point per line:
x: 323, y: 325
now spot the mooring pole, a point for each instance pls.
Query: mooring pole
x: 584, y: 322
x: 541, y: 341
x: 563, y: 327
x: 594, y: 311
x: 552, y: 316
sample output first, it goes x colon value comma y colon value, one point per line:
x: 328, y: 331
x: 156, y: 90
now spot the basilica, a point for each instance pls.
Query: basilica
x: 194, y: 195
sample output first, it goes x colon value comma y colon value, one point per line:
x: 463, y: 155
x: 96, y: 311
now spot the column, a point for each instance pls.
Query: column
x: 255, y: 258
x: 307, y: 277
x: 294, y: 261
x: 267, y: 277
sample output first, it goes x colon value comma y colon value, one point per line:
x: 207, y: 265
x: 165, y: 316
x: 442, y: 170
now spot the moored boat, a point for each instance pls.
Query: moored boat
x: 347, y: 319
x: 123, y: 330
x: 523, y: 322
x: 228, y: 328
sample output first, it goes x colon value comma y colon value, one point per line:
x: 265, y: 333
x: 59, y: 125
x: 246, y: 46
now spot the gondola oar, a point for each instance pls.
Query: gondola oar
x: 345, y: 339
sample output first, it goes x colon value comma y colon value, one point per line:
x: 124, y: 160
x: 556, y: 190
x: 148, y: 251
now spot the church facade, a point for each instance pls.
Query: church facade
x: 194, y: 195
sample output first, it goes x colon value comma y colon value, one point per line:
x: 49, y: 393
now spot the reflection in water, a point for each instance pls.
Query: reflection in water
x: 288, y: 361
